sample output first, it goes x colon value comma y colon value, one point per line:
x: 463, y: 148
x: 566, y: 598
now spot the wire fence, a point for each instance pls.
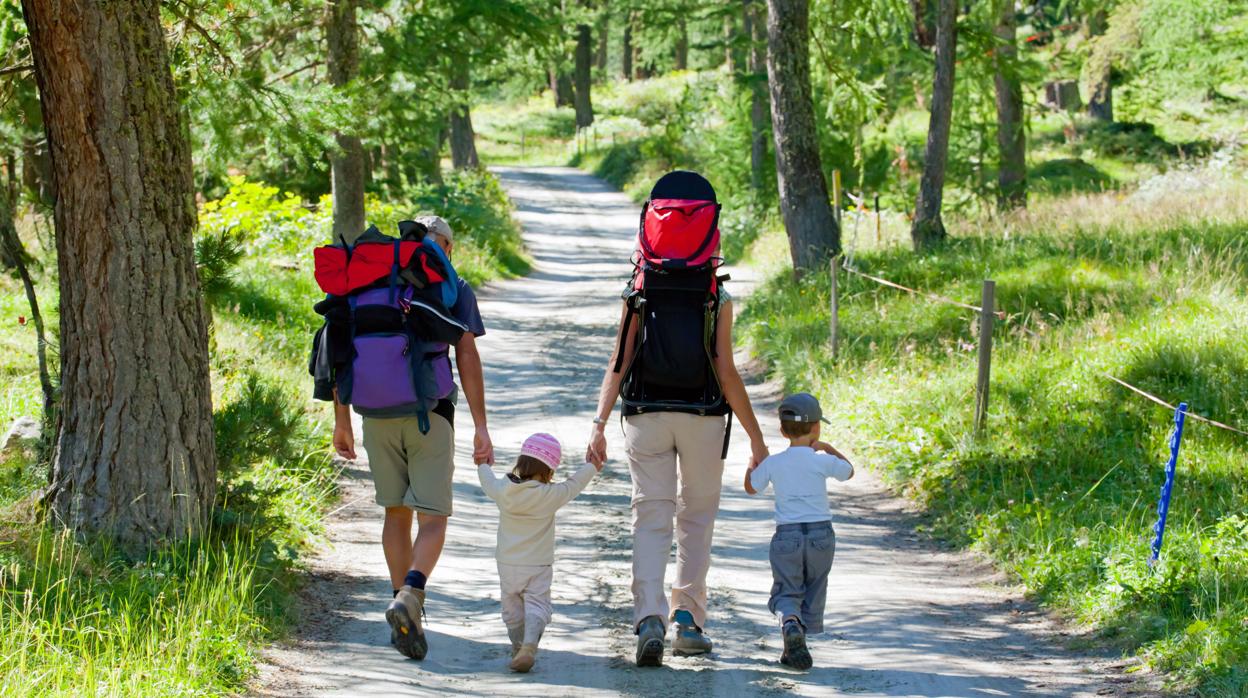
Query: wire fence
x: 1000, y: 314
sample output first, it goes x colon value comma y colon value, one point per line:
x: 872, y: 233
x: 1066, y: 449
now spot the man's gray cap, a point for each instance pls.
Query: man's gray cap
x: 436, y: 224
x: 801, y: 407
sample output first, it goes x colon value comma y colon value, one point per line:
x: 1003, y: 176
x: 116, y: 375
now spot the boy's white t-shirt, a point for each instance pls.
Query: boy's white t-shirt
x: 799, y: 475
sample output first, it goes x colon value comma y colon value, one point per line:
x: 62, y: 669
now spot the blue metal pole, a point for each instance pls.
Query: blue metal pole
x: 1163, y: 506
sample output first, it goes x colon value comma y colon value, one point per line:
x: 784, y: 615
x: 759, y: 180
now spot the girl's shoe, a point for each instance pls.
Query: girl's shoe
x: 524, y: 659
x: 795, y: 653
x: 515, y: 633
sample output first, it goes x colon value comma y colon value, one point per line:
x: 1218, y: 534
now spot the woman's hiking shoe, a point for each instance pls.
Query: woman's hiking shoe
x: 650, y: 641
x: 689, y: 638
x: 404, y: 615
x: 524, y: 659
x: 795, y: 653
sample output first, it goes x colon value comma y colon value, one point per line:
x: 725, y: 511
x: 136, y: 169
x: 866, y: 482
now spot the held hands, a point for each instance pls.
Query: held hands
x: 596, y: 451
x: 482, y: 446
x: 749, y: 486
x: 758, y: 453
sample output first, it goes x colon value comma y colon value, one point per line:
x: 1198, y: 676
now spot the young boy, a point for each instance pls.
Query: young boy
x: 804, y: 542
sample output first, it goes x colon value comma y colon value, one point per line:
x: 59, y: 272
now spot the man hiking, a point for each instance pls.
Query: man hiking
x: 674, y: 370
x: 411, y: 447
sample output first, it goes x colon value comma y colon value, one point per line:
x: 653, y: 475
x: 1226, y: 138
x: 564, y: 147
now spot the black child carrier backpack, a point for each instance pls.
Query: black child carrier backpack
x: 675, y: 296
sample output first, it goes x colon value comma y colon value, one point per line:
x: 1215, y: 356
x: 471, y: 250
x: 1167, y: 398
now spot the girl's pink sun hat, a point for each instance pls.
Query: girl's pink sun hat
x: 543, y: 447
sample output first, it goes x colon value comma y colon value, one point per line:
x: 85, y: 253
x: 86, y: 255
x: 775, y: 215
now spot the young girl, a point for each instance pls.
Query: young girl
x: 527, y: 502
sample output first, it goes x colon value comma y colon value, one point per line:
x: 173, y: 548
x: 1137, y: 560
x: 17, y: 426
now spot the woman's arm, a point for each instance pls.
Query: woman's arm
x: 596, y: 452
x: 734, y: 388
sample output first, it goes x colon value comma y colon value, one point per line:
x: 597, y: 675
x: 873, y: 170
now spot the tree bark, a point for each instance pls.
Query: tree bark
x: 754, y: 27
x: 682, y: 45
x: 927, y: 229
x: 626, y: 50
x: 134, y: 453
x: 1101, y: 92
x: 600, y: 56
x: 808, y: 219
x: 463, y: 141
x: 580, y: 95
x: 1011, y: 139
x: 342, y: 34
x: 561, y: 87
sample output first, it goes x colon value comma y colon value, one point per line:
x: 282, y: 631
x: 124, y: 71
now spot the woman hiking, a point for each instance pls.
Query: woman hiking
x: 674, y: 370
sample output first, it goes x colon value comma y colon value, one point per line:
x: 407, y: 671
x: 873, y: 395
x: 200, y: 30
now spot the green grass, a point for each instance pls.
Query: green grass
x: 1062, y: 491
x: 84, y: 617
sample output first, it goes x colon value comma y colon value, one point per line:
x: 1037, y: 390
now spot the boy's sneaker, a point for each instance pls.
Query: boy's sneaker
x: 795, y: 653
x: 404, y: 615
x: 524, y: 659
x: 650, y: 641
x: 689, y: 638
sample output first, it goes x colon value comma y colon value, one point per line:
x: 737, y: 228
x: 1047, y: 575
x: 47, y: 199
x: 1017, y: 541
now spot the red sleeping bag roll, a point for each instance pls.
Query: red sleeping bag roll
x: 339, y: 272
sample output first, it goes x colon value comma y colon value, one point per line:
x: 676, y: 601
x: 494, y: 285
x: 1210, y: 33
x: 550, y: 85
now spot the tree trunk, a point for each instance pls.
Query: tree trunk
x: 134, y: 452
x: 342, y: 34
x: 733, y: 57
x: 1011, y: 139
x: 808, y: 219
x: 1101, y: 92
x: 580, y: 95
x: 922, y: 24
x: 626, y: 50
x: 928, y: 229
x: 463, y: 144
x: 561, y: 87
x: 754, y: 27
x: 600, y: 57
x: 14, y: 255
x: 682, y: 45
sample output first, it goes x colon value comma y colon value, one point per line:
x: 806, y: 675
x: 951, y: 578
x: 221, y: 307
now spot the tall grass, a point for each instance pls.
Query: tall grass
x: 1062, y: 491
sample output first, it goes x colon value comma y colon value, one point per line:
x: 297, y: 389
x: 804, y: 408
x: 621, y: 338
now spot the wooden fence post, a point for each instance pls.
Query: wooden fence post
x: 836, y: 196
x: 834, y: 321
x: 986, y: 317
x: 877, y: 220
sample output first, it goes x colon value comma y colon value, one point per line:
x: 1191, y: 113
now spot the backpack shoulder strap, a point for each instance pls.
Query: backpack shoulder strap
x: 633, y: 304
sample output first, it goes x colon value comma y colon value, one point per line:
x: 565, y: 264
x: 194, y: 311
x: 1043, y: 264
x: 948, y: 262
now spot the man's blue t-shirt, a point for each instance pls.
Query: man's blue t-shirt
x: 466, y: 311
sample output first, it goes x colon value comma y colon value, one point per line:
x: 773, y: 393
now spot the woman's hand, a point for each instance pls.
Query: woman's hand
x: 596, y: 451
x: 758, y: 452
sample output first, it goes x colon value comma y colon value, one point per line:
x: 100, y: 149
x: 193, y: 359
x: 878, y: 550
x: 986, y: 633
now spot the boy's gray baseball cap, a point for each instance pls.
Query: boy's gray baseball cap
x: 436, y: 224
x: 801, y: 407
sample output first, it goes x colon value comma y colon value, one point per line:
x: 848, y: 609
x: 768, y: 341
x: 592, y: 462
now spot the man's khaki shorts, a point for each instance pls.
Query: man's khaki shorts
x: 410, y: 468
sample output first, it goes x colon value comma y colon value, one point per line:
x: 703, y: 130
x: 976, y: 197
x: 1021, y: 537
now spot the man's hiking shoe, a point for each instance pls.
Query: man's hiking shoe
x: 795, y: 653
x: 689, y: 638
x: 650, y: 641
x: 524, y: 659
x: 404, y: 615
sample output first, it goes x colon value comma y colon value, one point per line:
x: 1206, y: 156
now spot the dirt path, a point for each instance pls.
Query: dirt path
x: 904, y: 619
